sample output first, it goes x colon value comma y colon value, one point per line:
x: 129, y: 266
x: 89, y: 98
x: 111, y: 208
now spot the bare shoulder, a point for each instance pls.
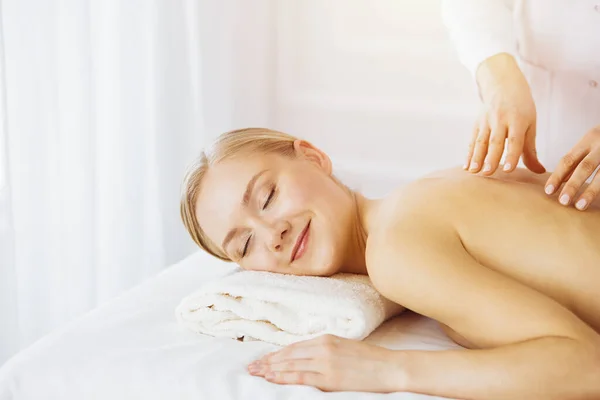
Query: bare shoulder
x: 416, y: 258
x: 430, y: 212
x: 418, y: 213
x: 431, y: 195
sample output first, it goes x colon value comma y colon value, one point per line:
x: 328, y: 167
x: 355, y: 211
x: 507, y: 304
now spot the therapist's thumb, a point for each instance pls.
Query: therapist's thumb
x: 530, y: 157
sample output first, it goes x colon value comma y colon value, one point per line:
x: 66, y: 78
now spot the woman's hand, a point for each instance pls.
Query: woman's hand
x: 575, y: 168
x: 509, y: 114
x: 332, y: 363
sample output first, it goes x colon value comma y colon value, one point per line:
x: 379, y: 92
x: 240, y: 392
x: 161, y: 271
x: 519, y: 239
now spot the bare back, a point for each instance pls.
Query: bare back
x: 508, y: 224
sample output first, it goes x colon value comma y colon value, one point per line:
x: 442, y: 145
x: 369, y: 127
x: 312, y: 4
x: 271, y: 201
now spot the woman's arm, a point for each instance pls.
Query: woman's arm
x: 530, y: 346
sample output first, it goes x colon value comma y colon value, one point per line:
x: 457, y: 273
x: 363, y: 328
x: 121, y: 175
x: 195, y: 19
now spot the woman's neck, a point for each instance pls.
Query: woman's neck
x: 364, y: 209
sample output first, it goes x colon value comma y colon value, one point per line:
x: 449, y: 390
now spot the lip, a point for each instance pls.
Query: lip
x: 301, y: 243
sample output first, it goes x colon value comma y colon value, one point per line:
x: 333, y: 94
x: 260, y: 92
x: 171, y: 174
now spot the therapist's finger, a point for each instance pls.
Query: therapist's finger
x: 530, y: 156
x: 481, y: 148
x: 566, y: 167
x: 471, y: 146
x: 582, y: 172
x: 516, y: 141
x: 495, y: 149
x: 590, y: 193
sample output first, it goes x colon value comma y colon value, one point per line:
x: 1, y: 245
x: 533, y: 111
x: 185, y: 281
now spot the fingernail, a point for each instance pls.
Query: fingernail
x: 487, y: 167
x: 564, y: 199
x: 465, y: 166
x: 581, y: 204
x: 549, y: 189
x: 474, y: 166
x: 506, y: 167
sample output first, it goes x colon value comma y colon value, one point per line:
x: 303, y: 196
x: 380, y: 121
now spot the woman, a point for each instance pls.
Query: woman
x: 537, y: 67
x: 509, y: 273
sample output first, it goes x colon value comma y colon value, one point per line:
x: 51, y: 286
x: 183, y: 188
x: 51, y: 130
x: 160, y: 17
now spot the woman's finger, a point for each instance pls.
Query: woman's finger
x: 305, y: 365
x: 298, y: 350
x: 481, y: 147
x: 582, y: 172
x: 296, y: 378
x: 495, y: 149
x: 565, y: 167
x: 296, y: 353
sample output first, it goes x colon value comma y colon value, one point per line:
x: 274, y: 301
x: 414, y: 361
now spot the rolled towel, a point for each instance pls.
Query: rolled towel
x: 283, y: 309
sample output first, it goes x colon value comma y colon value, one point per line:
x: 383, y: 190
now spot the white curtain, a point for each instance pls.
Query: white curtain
x: 103, y: 103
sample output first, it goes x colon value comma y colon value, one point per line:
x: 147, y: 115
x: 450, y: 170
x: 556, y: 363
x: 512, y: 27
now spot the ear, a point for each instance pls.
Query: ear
x: 307, y: 151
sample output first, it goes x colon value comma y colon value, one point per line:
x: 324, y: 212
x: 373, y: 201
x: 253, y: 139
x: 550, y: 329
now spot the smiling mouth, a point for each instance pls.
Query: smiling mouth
x: 301, y: 243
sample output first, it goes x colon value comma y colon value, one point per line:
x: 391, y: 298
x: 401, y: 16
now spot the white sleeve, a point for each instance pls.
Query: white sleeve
x: 479, y: 29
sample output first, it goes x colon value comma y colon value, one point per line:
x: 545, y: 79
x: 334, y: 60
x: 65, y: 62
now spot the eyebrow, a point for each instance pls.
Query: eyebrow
x: 245, y: 200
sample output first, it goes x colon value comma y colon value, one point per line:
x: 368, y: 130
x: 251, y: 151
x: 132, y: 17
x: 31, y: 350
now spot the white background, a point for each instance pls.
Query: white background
x: 375, y: 83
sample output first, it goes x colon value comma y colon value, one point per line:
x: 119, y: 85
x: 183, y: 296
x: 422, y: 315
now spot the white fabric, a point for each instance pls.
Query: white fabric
x: 557, y: 45
x: 8, y: 333
x: 480, y: 29
x: 101, y: 110
x: 133, y: 348
x: 283, y: 309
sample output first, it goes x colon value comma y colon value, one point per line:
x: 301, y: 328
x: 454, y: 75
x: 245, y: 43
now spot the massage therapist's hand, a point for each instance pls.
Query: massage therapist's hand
x: 332, y: 363
x: 575, y: 168
x: 509, y: 114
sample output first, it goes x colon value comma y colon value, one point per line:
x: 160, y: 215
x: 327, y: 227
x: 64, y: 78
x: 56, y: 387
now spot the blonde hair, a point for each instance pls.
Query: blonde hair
x: 227, y: 145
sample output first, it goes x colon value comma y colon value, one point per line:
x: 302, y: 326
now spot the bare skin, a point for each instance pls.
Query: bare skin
x: 505, y: 268
x: 508, y: 271
x: 496, y: 216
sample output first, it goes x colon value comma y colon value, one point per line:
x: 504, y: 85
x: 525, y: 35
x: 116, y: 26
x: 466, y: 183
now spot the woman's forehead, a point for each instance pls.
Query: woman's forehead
x: 231, y: 173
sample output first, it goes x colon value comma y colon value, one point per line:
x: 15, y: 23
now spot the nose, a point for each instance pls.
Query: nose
x: 275, y: 235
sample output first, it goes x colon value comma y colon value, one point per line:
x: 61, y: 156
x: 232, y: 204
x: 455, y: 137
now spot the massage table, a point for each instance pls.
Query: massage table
x: 132, y: 348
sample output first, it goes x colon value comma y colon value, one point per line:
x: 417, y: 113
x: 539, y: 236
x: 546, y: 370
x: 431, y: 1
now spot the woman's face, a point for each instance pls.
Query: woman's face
x: 278, y: 214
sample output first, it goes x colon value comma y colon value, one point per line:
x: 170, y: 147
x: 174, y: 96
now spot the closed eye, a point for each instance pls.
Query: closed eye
x: 271, y: 194
x: 245, y: 250
x: 267, y: 202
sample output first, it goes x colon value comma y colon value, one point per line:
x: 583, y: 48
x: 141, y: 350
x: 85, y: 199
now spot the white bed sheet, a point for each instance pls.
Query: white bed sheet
x: 132, y: 348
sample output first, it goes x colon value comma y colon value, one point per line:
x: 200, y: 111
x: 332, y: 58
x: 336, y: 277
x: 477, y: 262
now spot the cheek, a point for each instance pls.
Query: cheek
x: 301, y: 191
x: 261, y: 260
x: 318, y: 194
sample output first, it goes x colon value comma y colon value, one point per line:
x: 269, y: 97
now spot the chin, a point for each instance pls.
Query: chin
x: 324, y: 262
x: 319, y: 269
x: 332, y: 265
x: 328, y: 270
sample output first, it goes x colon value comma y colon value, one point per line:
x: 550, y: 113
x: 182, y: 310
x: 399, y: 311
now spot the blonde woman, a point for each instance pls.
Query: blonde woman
x: 511, y: 275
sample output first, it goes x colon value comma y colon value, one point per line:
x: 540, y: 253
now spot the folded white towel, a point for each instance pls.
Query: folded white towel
x: 284, y: 309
